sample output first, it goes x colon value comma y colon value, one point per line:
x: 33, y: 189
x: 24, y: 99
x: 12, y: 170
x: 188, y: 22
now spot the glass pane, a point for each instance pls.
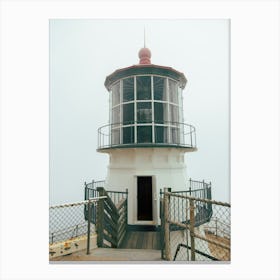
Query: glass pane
x: 144, y: 112
x: 116, y: 115
x: 144, y: 88
x: 116, y: 94
x: 160, y: 88
x: 128, y: 135
x: 173, y: 92
x: 174, y: 135
x: 161, y: 134
x: 128, y: 89
x: 174, y: 114
x: 144, y: 134
x: 115, y: 136
x: 160, y: 112
x: 128, y: 113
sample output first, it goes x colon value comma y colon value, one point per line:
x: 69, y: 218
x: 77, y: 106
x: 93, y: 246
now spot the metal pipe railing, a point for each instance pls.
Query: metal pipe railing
x: 182, y: 135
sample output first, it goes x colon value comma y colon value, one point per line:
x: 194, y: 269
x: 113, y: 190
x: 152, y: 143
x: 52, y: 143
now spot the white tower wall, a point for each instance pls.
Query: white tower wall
x: 166, y: 166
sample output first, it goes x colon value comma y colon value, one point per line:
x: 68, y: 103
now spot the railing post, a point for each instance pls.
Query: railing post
x: 126, y: 206
x: 88, y: 229
x: 204, y: 189
x: 162, y: 226
x: 86, y: 191
x: 187, y: 229
x: 192, y: 221
x: 166, y: 226
x: 100, y: 217
x: 190, y: 187
x: 94, y: 193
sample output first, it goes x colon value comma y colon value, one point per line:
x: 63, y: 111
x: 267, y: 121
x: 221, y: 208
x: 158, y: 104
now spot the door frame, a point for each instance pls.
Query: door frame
x: 154, y: 201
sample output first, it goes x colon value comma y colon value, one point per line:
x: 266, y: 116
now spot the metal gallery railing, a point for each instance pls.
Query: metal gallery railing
x: 90, y: 190
x: 199, y: 189
x: 158, y: 134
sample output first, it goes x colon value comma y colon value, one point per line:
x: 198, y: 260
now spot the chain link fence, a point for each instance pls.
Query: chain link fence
x: 214, y: 236
x: 195, y: 229
x: 67, y: 221
x: 70, y: 221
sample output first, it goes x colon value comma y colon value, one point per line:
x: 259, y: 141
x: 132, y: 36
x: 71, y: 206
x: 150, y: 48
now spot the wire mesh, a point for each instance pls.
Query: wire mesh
x: 217, y: 232
x: 178, y: 217
x: 69, y: 221
x: 209, y: 229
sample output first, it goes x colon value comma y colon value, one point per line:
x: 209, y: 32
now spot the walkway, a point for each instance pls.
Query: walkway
x: 137, y: 246
x: 142, y: 240
x: 108, y: 254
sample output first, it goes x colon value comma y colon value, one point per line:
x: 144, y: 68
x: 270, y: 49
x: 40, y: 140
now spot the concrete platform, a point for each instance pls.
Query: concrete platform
x: 108, y: 254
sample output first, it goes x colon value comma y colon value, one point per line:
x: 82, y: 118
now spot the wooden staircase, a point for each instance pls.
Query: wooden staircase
x: 111, y: 221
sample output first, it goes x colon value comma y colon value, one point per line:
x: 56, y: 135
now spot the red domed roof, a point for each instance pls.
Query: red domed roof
x: 145, y: 56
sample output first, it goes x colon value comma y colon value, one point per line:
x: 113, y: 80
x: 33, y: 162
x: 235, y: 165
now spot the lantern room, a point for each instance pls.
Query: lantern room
x: 146, y: 107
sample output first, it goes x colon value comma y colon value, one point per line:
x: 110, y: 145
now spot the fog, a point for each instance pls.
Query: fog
x: 84, y: 52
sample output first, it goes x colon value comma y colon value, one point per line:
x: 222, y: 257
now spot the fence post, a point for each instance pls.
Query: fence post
x: 192, y: 221
x: 88, y: 229
x: 187, y: 229
x: 166, y: 226
x: 100, y: 217
x: 190, y: 187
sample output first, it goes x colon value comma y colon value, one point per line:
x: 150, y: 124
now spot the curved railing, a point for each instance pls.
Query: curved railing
x: 201, y: 192
x: 120, y: 135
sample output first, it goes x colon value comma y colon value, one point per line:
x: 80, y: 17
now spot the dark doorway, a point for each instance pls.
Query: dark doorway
x: 144, y: 199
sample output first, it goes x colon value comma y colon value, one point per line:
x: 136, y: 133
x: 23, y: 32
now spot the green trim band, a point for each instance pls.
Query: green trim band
x: 150, y: 145
x: 145, y: 70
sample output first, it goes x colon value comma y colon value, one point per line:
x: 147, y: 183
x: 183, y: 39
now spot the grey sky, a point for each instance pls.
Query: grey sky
x: 84, y: 52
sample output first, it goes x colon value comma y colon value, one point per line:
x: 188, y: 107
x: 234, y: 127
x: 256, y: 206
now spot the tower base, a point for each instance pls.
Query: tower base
x: 144, y: 172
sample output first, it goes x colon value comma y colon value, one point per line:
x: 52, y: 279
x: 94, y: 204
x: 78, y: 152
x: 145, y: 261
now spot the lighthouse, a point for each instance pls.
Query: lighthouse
x: 146, y: 138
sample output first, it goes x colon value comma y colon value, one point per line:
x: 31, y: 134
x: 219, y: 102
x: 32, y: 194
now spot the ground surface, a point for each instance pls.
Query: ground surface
x: 107, y: 254
x: 136, y: 246
x: 216, y: 251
